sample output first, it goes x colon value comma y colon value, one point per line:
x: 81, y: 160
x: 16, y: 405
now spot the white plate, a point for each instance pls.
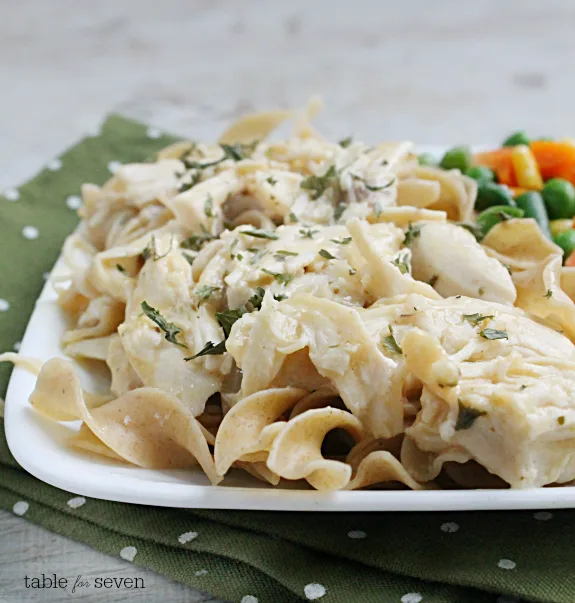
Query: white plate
x: 39, y: 445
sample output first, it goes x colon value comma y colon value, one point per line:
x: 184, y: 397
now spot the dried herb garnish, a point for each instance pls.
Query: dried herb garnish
x: 186, y: 186
x: 227, y: 318
x: 283, y: 278
x: 205, y: 292
x: 475, y: 319
x: 260, y: 234
x: 411, y: 233
x: 338, y: 211
x: 282, y: 254
x: 345, y: 142
x: 390, y: 343
x: 493, y: 334
x: 307, y: 234
x: 271, y: 181
x: 549, y: 294
x: 120, y: 268
x: 195, y: 242
x: 318, y: 185
x: 402, y: 262
x: 170, y: 329
x: 257, y: 298
x: 344, y: 241
x: 210, y: 349
x: 150, y: 252
x: 280, y: 297
x: 466, y: 416
x: 433, y: 280
x: 326, y: 254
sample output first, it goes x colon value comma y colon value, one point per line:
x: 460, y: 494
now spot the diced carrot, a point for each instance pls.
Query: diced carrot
x: 500, y: 162
x: 555, y: 159
x: 519, y: 190
x: 570, y: 261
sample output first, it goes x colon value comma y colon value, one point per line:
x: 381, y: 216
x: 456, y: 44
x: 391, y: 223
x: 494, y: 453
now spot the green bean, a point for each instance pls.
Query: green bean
x: 534, y: 207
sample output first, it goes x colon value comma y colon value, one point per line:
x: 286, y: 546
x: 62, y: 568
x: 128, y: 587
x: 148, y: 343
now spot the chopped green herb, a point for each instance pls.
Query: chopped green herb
x: 271, y: 181
x: 493, y: 334
x: 317, y: 185
x: 283, y: 278
x: 345, y: 142
x: 475, y: 319
x: 120, y: 268
x: 481, y: 291
x: 170, y: 330
x: 150, y: 251
x: 280, y: 297
x: 339, y: 211
x: 561, y: 420
x: 196, y: 165
x: 257, y: 298
x: 232, y: 151
x: 466, y: 416
x: 473, y: 229
x: 402, y: 262
x: 227, y: 318
x: 523, y: 387
x: 549, y: 294
x: 210, y: 349
x: 411, y: 233
x: 345, y: 241
x: 258, y: 255
x: 292, y: 217
x: 195, y: 242
x: 189, y: 258
x: 282, y: 254
x: 433, y: 280
x: 208, y: 205
x: 240, y: 256
x: 205, y: 292
x: 260, y: 234
x: 186, y: 186
x: 390, y: 343
x: 326, y: 254
x: 307, y: 234
x: 352, y: 271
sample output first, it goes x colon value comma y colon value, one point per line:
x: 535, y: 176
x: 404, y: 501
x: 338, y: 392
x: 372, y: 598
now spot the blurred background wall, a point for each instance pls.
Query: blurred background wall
x: 443, y: 71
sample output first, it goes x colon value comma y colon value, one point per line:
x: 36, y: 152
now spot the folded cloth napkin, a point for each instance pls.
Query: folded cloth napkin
x: 264, y: 557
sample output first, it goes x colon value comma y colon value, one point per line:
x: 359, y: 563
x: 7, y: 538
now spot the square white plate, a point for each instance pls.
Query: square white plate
x: 39, y: 445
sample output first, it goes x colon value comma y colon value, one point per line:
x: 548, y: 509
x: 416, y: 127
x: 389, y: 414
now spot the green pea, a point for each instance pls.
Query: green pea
x: 487, y: 219
x: 457, y: 158
x: 532, y: 204
x: 481, y: 173
x: 427, y: 159
x: 490, y: 194
x: 559, y: 197
x: 566, y: 240
x: 516, y: 138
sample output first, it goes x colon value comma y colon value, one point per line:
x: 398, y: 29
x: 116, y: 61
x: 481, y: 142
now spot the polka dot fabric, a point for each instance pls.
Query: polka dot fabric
x: 249, y: 557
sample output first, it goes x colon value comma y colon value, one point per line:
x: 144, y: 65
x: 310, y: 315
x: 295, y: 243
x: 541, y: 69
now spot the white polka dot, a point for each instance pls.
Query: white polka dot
x: 201, y: 572
x: 314, y: 591
x: 20, y: 507
x: 449, y: 527
x: 30, y: 232
x: 411, y: 598
x: 543, y: 515
x: 186, y: 537
x: 128, y: 553
x: 357, y: 534
x: 76, y: 502
x: 114, y: 166
x: 16, y: 346
x: 4, y: 305
x: 249, y: 599
x: 154, y: 133
x: 12, y: 194
x: 506, y: 564
x: 54, y: 165
x: 73, y: 202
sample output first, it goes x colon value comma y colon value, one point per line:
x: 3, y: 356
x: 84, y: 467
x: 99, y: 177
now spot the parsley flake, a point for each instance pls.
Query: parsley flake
x: 339, y: 211
x: 271, y: 181
x: 318, y: 185
x: 257, y: 298
x: 493, y: 334
x: 280, y: 297
x: 402, y: 262
x: 150, y: 252
x: 412, y: 233
x: 326, y: 254
x: 345, y: 142
x: 549, y: 294
x: 260, y: 234
x: 307, y: 234
x: 475, y: 319
x: 466, y: 416
x: 208, y: 207
x: 227, y: 319
x: 170, y: 329
x: 210, y: 349
x: 344, y: 241
x: 282, y: 254
x: 120, y: 268
x: 205, y: 292
x: 283, y: 278
x: 390, y: 343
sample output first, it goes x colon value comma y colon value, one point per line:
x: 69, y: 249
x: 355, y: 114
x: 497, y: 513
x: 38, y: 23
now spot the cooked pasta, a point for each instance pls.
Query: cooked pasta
x: 309, y: 310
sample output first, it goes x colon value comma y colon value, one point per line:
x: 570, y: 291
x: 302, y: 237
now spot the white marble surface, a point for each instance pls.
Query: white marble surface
x: 443, y: 71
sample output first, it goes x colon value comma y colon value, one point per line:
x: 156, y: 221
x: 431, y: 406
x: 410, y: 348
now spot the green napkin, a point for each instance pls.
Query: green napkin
x: 263, y: 557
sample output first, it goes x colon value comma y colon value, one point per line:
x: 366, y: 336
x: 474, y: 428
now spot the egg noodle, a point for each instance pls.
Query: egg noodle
x: 313, y: 310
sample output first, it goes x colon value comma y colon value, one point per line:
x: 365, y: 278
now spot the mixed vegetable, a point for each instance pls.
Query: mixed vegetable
x: 525, y: 178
